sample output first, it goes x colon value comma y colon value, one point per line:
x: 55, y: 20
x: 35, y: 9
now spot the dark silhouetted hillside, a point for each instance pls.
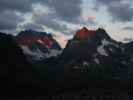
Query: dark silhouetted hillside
x: 15, y: 71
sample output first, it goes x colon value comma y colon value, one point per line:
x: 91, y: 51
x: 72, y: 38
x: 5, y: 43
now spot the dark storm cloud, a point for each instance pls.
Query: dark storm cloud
x: 8, y: 17
x: 128, y: 28
x: 9, y: 20
x: 68, y: 10
x: 49, y: 21
x: 16, y: 5
x: 120, y: 10
x: 64, y: 10
x: 128, y: 39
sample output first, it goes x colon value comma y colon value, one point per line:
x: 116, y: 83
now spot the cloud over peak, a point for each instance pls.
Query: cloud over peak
x: 62, y: 10
x: 120, y: 10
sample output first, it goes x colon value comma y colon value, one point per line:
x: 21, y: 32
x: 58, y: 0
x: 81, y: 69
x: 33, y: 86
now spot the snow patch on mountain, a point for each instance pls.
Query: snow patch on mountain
x: 35, y: 54
x: 96, y: 60
x: 105, y: 42
x: 101, y: 50
x: 85, y: 63
x: 53, y: 53
x: 111, y: 49
x: 38, y: 55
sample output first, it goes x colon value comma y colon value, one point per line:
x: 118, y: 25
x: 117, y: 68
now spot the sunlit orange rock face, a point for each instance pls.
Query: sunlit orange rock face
x: 27, y: 40
x: 84, y: 34
x: 46, y: 41
x: 30, y: 40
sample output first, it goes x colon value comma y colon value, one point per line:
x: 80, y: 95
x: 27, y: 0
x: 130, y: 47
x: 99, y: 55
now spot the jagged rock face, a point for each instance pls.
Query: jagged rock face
x: 38, y: 45
x: 31, y: 37
x: 94, y: 53
x: 84, y: 34
x: 90, y: 44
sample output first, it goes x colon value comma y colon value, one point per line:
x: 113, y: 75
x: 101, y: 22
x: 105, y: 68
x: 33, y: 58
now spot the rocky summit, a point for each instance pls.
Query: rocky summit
x: 38, y: 45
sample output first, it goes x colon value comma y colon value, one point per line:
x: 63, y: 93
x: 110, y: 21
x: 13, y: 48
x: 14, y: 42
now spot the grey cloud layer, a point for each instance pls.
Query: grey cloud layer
x: 120, y: 10
x: 66, y: 10
x: 63, y: 10
x: 128, y: 28
x: 49, y: 21
x: 9, y: 20
x: 16, y: 5
x: 8, y: 8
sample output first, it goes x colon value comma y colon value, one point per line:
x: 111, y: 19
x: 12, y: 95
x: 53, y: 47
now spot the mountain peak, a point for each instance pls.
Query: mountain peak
x: 84, y: 33
x: 84, y: 28
x: 38, y: 45
x: 30, y: 37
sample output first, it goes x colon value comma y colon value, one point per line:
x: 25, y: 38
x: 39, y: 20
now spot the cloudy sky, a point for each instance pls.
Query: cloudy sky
x: 64, y: 17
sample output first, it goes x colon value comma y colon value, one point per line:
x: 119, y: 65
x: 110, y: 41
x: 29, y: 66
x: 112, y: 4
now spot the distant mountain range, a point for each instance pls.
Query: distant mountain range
x: 38, y: 45
x: 35, y: 60
x: 93, y: 54
x: 90, y: 53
